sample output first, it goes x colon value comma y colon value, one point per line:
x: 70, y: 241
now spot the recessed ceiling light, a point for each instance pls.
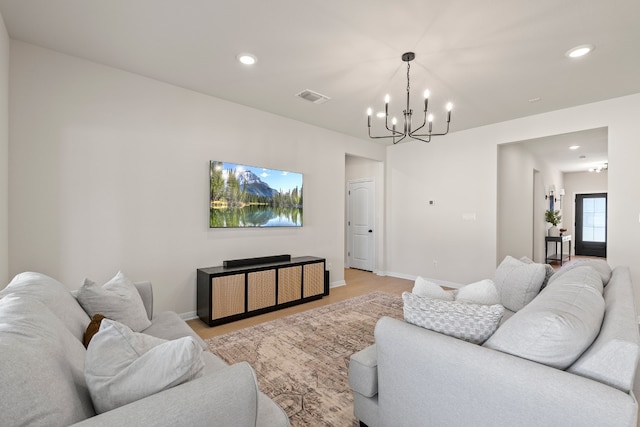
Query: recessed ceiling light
x: 579, y: 51
x: 247, y: 58
x: 536, y: 99
x: 574, y: 147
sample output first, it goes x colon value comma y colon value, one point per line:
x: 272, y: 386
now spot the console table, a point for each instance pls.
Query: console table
x: 557, y: 240
x: 245, y: 288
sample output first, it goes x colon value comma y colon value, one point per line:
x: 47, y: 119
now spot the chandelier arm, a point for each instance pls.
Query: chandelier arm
x: 380, y: 137
x: 428, y: 140
x: 413, y: 135
x: 395, y: 142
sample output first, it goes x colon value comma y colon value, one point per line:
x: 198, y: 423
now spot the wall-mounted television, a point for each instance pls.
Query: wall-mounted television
x: 249, y: 196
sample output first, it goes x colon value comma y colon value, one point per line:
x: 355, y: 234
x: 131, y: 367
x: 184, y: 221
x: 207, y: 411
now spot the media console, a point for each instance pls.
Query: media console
x: 249, y: 287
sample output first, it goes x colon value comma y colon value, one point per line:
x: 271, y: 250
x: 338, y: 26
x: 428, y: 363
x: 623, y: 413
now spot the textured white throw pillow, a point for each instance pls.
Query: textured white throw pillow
x: 425, y: 288
x: 518, y: 283
x: 470, y: 322
x: 118, y: 300
x: 122, y: 366
x: 482, y: 292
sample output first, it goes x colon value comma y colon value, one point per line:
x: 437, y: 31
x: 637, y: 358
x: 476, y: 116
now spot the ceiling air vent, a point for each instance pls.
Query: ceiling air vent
x: 311, y: 96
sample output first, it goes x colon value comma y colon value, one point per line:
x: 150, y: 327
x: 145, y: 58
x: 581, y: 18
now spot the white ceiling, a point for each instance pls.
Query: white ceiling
x: 488, y: 57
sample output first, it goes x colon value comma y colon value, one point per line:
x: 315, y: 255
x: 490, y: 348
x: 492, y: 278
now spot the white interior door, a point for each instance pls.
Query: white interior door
x: 360, y: 224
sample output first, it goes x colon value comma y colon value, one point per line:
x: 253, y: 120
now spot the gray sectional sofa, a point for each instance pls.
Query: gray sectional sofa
x: 42, y: 368
x: 567, y: 358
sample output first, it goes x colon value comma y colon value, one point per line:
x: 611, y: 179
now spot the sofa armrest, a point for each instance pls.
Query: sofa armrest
x: 145, y: 289
x: 225, y: 398
x: 363, y: 372
x: 427, y: 378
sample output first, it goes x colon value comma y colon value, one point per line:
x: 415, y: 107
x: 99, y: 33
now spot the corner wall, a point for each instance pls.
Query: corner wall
x: 109, y: 170
x: 459, y: 172
x: 4, y: 154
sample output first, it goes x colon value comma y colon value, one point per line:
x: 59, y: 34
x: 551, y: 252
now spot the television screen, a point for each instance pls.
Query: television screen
x: 248, y: 196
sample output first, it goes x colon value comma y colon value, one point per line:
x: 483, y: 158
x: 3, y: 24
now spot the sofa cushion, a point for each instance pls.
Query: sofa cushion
x: 470, y: 322
x: 54, y: 295
x: 555, y: 328
x: 123, y: 366
x: 613, y: 357
x: 583, y: 274
x: 600, y: 266
x: 169, y: 326
x: 425, y: 288
x: 41, y: 367
x: 118, y: 300
x: 482, y: 292
x: 517, y: 282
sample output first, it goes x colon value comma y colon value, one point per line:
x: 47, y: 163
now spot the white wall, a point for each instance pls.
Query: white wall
x: 109, y: 170
x: 519, y: 229
x: 4, y: 154
x: 360, y: 168
x: 459, y: 172
x: 580, y: 183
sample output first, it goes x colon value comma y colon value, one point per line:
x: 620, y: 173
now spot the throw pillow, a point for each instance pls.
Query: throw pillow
x: 470, y: 322
x: 426, y: 288
x: 555, y: 328
x: 118, y: 299
x: 483, y: 292
x: 548, y: 270
x: 92, y: 329
x: 518, y: 283
x: 122, y: 366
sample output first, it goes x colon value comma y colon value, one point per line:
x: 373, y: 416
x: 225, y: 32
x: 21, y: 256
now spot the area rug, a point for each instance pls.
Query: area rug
x: 302, y: 360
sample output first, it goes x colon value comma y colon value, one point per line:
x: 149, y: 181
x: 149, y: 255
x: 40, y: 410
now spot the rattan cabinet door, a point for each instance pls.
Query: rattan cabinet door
x: 261, y: 289
x: 289, y: 284
x: 227, y: 296
x: 313, y: 279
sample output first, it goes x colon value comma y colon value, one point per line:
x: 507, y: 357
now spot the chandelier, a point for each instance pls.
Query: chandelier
x: 407, y: 130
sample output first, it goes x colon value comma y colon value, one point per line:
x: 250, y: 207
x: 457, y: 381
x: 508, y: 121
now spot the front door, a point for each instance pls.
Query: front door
x: 360, y: 222
x: 591, y: 224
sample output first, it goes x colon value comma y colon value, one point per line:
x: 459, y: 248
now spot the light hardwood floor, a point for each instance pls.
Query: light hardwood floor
x: 358, y: 282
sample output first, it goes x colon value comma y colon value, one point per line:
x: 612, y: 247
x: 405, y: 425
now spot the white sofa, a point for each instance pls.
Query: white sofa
x: 42, y: 369
x: 414, y: 376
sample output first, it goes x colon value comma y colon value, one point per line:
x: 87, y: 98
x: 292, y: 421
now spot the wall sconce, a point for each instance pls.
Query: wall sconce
x: 551, y: 197
x: 561, y: 193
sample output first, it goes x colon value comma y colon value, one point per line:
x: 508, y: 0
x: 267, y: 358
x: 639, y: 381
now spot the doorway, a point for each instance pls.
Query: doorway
x: 360, y: 224
x: 591, y: 224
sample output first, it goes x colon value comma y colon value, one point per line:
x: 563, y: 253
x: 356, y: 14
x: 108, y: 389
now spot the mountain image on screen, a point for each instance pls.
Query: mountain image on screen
x: 252, y: 184
x: 248, y: 196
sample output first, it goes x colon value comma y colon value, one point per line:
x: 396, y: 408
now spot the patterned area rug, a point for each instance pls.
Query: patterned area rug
x: 302, y: 360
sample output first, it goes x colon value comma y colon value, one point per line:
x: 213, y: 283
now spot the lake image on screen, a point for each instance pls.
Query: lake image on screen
x: 248, y: 196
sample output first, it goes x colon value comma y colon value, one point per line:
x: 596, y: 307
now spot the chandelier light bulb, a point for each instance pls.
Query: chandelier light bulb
x: 449, y: 106
x: 369, y: 112
x: 394, y: 121
x: 426, y: 94
x: 430, y: 118
x: 387, y: 98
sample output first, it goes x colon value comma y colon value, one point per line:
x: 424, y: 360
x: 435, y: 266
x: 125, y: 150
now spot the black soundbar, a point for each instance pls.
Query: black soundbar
x: 232, y: 263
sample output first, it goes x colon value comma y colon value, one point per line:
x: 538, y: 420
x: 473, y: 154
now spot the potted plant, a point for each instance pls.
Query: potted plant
x: 553, y: 217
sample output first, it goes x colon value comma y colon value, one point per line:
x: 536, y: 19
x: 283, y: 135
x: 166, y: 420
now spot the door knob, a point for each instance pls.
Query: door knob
x: 370, y: 231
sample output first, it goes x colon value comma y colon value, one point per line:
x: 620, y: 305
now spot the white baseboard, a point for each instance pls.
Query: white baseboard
x: 189, y: 315
x: 413, y: 278
x: 337, y: 284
